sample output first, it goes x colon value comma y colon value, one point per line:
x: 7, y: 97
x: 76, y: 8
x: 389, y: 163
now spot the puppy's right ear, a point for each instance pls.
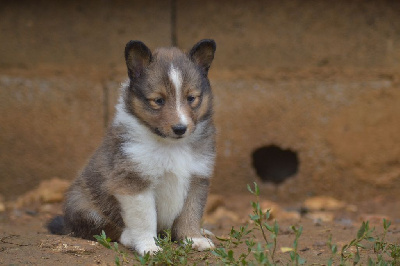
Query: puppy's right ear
x: 137, y: 57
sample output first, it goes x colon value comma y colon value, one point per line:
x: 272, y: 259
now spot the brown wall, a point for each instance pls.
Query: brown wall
x: 317, y: 77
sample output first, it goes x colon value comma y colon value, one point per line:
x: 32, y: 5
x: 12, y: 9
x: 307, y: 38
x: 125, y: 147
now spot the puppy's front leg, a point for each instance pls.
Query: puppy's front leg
x: 187, y: 225
x: 140, y: 218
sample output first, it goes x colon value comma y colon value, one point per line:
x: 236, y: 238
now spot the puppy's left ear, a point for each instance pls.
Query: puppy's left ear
x: 202, y: 53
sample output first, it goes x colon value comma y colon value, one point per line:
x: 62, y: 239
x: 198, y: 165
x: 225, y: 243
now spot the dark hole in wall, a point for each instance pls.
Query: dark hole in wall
x: 274, y: 164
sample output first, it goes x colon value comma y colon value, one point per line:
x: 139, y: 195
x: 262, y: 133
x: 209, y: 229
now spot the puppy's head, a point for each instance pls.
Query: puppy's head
x: 169, y: 91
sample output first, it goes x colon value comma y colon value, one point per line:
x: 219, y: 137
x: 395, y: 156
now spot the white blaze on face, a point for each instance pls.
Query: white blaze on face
x: 176, y: 78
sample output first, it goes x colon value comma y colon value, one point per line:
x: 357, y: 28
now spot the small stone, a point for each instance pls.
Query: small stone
x: 213, y: 203
x: 273, y: 207
x: 288, y: 215
x: 373, y: 218
x: 319, y: 217
x: 345, y: 222
x: 351, y: 208
x: 2, y: 204
x: 221, y: 213
x: 49, y: 191
x: 47, y: 208
x: 322, y: 203
x: 277, y: 212
x: 319, y: 244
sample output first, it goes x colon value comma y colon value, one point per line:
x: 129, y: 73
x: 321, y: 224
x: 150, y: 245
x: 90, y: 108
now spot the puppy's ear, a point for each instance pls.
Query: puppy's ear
x: 202, y: 53
x: 137, y: 57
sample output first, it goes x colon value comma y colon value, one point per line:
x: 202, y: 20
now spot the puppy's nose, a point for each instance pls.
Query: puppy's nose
x: 179, y: 129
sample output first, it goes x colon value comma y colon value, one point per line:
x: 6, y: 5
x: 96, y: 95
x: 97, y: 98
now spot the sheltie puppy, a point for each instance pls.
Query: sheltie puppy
x: 153, y: 169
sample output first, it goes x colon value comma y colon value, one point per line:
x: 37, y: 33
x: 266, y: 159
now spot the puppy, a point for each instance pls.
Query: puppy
x: 153, y: 169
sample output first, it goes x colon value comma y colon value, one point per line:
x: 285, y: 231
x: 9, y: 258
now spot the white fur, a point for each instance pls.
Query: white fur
x: 170, y: 197
x: 175, y: 76
x: 140, y: 218
x: 202, y: 243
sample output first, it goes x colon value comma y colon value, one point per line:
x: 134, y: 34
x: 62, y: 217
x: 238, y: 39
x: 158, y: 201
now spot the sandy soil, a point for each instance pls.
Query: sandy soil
x: 25, y: 240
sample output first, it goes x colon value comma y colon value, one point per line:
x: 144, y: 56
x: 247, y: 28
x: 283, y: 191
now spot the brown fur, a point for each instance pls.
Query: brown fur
x: 159, y: 85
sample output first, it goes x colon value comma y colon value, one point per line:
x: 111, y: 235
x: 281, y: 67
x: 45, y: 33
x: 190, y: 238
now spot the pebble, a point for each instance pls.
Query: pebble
x: 220, y: 214
x: 277, y: 212
x: 373, y: 218
x: 48, y: 191
x: 320, y: 216
x: 322, y: 203
x: 213, y: 202
x: 2, y: 204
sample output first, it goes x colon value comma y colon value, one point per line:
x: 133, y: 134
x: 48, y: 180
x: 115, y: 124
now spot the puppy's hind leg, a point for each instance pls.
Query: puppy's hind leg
x: 140, y: 218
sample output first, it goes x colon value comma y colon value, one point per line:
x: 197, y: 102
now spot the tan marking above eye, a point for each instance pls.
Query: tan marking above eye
x: 156, y: 103
x: 156, y: 100
x: 193, y: 100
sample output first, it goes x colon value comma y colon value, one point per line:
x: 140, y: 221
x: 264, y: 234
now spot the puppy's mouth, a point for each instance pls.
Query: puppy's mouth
x: 159, y: 133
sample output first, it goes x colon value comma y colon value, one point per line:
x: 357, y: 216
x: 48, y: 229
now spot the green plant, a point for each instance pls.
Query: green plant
x: 364, y: 233
x: 173, y: 253
x: 235, y: 239
x: 106, y: 242
x: 260, y: 219
x: 386, y: 253
x: 384, y: 250
x: 294, y: 255
x: 263, y: 252
x: 333, y: 248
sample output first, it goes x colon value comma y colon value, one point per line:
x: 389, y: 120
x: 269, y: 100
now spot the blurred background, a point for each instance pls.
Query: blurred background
x: 307, y: 93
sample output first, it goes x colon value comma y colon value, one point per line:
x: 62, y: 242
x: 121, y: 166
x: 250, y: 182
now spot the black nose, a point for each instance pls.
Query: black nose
x: 179, y: 129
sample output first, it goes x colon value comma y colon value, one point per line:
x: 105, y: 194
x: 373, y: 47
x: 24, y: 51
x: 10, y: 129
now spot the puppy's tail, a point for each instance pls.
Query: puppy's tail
x: 57, y: 226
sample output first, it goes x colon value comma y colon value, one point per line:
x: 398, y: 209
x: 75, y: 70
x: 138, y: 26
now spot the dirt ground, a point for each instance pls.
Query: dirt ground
x: 25, y: 240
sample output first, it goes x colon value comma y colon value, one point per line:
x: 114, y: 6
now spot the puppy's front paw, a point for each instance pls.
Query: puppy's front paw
x: 148, y: 247
x: 202, y: 243
x: 141, y: 244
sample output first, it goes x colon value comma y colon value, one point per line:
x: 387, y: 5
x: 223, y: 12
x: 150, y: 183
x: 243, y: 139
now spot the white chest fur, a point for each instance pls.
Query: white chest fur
x: 169, y: 167
x: 170, y: 195
x: 168, y: 164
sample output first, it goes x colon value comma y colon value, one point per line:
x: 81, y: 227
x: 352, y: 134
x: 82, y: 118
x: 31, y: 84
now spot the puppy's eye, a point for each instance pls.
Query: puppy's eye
x: 156, y: 103
x: 159, y: 101
x: 191, y: 99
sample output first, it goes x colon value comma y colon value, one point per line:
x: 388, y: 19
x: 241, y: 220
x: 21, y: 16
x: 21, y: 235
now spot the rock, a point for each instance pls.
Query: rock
x: 2, y: 204
x: 322, y: 203
x: 345, y: 222
x: 278, y: 212
x: 47, y: 208
x: 273, y: 207
x: 213, y: 202
x: 320, y: 216
x: 288, y: 215
x: 220, y: 214
x: 351, y: 208
x: 373, y: 218
x: 49, y: 191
